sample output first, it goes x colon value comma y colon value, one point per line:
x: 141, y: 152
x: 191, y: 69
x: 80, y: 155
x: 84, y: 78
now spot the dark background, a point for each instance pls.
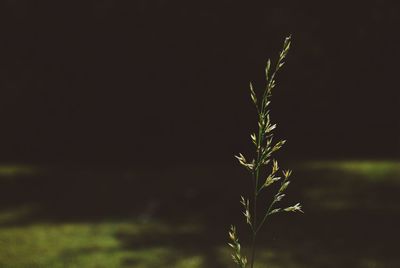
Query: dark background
x: 167, y: 81
x: 121, y: 118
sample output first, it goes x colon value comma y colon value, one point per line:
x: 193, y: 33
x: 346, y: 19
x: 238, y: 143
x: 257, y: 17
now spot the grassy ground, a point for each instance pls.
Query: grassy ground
x: 74, y: 216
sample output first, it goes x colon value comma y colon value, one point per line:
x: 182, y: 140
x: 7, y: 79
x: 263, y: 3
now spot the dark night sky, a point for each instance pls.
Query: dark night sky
x: 168, y: 80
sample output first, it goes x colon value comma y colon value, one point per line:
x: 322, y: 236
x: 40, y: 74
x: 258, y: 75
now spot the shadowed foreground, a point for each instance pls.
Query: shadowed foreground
x: 179, y: 216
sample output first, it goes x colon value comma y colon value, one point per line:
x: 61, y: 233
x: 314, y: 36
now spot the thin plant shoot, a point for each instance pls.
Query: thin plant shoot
x: 263, y: 162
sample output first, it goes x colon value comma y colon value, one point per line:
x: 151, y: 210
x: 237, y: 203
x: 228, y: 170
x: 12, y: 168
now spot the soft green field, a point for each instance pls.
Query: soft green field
x: 83, y: 245
x: 114, y: 217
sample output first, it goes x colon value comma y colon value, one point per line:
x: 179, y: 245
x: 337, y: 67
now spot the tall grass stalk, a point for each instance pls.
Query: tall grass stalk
x: 262, y: 162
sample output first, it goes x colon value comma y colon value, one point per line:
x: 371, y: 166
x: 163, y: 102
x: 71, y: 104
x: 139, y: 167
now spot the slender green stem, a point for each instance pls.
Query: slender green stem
x: 256, y: 178
x: 253, y: 250
x: 265, y: 217
x: 253, y: 244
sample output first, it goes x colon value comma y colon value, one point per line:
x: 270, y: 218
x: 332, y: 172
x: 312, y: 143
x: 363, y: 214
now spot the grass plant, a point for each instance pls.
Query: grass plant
x: 263, y: 161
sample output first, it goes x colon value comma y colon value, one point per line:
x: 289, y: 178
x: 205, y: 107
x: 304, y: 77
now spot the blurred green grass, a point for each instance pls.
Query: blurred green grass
x: 16, y: 170
x: 121, y: 217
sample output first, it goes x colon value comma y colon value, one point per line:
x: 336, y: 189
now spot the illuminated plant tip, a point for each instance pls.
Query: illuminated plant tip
x: 262, y: 139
